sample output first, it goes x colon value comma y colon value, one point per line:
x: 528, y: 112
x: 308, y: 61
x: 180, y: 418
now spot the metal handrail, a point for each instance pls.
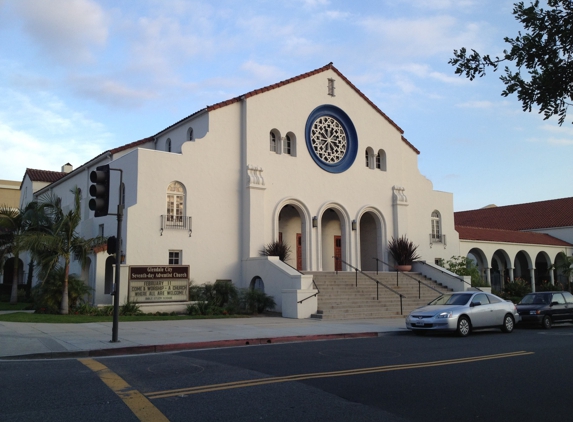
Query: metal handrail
x: 461, y: 279
x: 313, y: 295
x: 378, y: 283
x: 420, y: 282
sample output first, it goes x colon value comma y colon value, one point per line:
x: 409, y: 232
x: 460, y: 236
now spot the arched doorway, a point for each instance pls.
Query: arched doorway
x: 480, y: 260
x: 291, y: 232
x: 542, y: 269
x: 522, y: 264
x: 371, y: 241
x: 500, y: 264
x: 332, y: 240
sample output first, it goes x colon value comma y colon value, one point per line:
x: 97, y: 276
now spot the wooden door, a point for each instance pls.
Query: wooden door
x: 299, y: 252
x: 338, y: 253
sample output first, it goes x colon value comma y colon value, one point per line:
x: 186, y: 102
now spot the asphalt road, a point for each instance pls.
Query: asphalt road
x: 488, y: 376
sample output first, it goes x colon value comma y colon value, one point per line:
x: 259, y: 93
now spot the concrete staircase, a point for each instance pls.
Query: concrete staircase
x: 339, y: 297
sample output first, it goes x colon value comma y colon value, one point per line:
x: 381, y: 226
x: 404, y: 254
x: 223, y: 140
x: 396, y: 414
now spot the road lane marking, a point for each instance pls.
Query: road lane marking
x: 300, y: 377
x: 137, y: 402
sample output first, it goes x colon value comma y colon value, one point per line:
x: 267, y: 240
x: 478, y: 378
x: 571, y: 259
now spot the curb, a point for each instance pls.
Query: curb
x: 162, y: 348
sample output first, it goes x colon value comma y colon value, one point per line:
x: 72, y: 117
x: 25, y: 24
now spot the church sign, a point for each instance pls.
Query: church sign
x: 158, y: 283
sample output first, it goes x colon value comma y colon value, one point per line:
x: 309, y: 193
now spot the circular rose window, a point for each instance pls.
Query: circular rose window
x: 331, y: 138
x: 328, y: 139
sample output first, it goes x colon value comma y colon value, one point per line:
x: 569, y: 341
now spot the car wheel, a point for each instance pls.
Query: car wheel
x: 508, y: 324
x: 546, y: 323
x: 464, y: 326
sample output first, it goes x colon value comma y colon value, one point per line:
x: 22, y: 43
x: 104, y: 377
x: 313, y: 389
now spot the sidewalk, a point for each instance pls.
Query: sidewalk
x: 29, y: 340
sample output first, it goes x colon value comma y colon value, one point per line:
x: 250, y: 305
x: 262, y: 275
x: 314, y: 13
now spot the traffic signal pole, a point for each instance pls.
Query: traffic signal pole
x: 120, y: 207
x: 100, y: 205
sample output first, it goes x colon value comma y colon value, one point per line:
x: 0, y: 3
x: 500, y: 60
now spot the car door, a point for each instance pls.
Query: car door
x: 569, y: 305
x: 558, y: 307
x: 481, y: 312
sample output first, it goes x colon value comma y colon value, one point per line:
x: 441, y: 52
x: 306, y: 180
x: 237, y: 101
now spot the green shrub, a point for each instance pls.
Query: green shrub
x: 86, y: 309
x: 47, y: 296
x: 546, y: 286
x: 516, y: 289
x: 130, y: 309
x: 256, y: 301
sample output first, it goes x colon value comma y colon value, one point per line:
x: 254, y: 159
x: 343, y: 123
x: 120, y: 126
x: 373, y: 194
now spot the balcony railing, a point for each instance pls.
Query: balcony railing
x: 176, y: 222
x: 437, y: 239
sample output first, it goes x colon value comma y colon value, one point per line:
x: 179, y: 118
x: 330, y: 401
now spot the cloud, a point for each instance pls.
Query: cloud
x: 477, y: 104
x: 311, y: 4
x: 110, y: 91
x: 65, y: 30
x: 420, y: 37
x: 40, y: 131
x: 263, y: 72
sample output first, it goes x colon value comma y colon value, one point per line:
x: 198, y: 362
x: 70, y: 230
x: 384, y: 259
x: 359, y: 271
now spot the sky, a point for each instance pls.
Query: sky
x: 79, y: 77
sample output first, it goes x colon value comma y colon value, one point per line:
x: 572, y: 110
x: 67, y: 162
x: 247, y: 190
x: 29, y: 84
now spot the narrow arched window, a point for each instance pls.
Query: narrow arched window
x: 168, y: 145
x: 190, y: 134
x: 370, y: 158
x: 273, y: 142
x: 287, y: 145
x: 436, y: 227
x: 175, y: 205
x: 381, y: 160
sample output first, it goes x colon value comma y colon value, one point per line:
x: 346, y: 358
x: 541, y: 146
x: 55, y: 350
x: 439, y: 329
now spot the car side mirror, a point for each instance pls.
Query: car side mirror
x: 554, y: 303
x: 474, y: 304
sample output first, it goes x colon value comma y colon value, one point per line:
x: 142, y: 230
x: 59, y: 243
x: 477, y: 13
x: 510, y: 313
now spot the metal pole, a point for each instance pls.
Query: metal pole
x: 419, y: 290
x: 356, y: 272
x: 396, y: 278
x: 117, y: 262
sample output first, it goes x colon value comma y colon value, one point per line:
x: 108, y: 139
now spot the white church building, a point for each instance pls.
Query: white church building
x: 310, y: 161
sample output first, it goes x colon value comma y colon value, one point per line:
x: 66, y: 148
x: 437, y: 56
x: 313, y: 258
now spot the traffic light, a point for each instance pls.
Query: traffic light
x: 111, y: 245
x: 100, y: 191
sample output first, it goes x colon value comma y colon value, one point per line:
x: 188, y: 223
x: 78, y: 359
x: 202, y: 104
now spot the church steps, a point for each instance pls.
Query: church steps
x: 340, y: 298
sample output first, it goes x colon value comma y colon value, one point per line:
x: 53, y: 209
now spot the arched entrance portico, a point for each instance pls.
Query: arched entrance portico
x: 542, y: 272
x: 292, y: 228
x: 333, y: 234
x: 371, y: 240
x: 500, y: 269
x: 481, y: 261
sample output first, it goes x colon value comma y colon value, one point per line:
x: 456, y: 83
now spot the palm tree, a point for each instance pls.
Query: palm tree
x: 60, y: 240
x: 15, y: 225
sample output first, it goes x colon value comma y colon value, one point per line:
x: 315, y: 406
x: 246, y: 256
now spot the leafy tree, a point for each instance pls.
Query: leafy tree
x: 462, y: 265
x: 544, y: 53
x: 15, y: 225
x: 60, y: 240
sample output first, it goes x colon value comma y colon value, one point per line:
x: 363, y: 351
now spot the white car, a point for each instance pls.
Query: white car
x: 463, y: 312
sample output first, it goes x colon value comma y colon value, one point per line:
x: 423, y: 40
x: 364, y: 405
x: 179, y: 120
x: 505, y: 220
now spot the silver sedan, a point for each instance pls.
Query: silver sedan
x: 463, y: 312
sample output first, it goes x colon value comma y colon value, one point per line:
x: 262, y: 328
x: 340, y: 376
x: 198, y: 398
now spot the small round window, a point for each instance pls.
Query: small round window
x: 331, y: 138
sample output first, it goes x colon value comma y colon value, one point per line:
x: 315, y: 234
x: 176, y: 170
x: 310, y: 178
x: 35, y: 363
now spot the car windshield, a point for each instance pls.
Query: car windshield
x: 536, y: 299
x: 452, y: 299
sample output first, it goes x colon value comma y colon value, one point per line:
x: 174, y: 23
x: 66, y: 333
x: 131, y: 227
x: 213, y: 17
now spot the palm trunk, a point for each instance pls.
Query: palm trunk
x: 64, y: 305
x: 14, y: 293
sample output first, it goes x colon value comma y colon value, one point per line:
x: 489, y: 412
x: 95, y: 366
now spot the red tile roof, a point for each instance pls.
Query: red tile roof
x: 533, y: 215
x: 44, y: 175
x: 329, y: 66
x: 508, y: 236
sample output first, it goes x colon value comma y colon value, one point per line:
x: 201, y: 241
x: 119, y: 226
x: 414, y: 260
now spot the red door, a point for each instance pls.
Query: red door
x: 299, y: 252
x: 337, y: 253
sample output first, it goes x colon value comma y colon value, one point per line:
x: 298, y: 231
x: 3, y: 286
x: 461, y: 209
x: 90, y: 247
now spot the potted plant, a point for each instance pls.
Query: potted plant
x: 404, y: 253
